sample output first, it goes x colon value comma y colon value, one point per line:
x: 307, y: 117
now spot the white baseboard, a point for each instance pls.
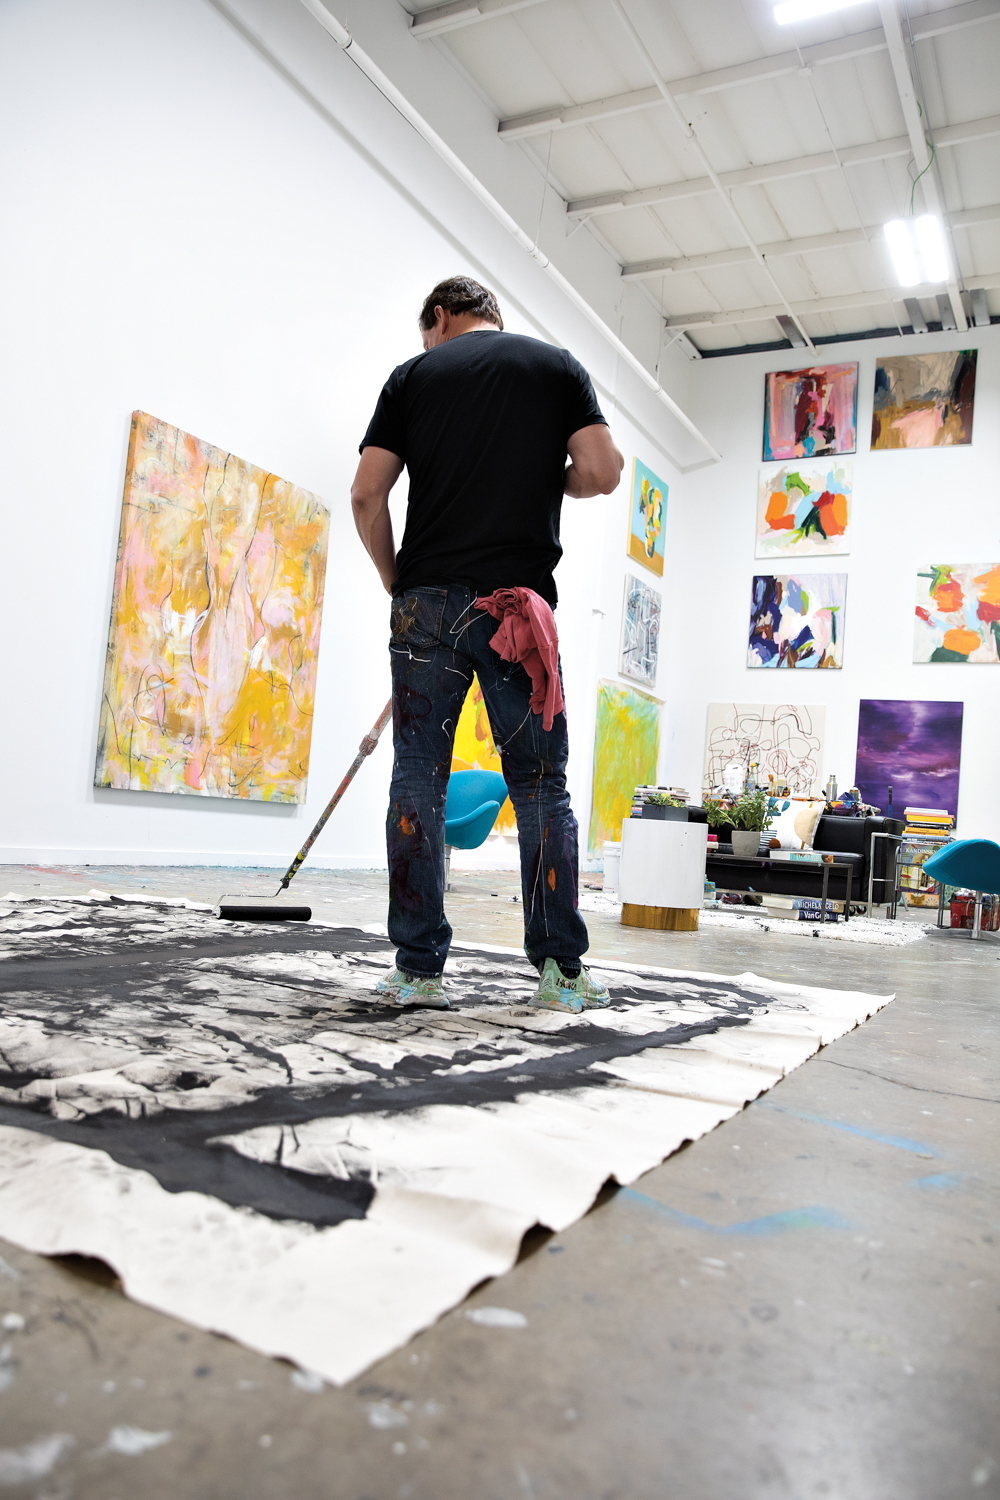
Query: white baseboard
x: 209, y: 858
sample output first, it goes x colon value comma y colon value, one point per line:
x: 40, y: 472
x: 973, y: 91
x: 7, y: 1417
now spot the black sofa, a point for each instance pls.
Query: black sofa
x: 849, y: 840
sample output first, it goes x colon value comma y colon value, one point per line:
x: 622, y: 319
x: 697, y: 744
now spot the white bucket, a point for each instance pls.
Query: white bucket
x: 612, y: 864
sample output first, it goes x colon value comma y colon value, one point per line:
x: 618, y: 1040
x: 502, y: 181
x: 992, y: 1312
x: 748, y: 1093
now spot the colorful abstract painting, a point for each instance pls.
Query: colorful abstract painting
x: 808, y: 413
x: 804, y: 509
x: 475, y: 750
x: 797, y: 621
x: 924, y: 400
x: 647, y: 518
x: 783, y: 740
x: 626, y: 755
x: 215, y: 623
x: 957, y: 617
x: 913, y: 747
x: 640, y: 631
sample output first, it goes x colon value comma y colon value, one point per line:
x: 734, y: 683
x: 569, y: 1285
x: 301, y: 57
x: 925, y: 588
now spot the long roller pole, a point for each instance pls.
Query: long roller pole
x: 365, y: 749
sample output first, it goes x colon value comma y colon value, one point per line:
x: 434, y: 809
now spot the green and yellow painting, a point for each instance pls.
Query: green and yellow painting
x: 626, y: 753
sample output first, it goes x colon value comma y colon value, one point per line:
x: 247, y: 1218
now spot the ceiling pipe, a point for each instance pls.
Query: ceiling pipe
x: 385, y: 86
x: 713, y: 176
x: 916, y: 129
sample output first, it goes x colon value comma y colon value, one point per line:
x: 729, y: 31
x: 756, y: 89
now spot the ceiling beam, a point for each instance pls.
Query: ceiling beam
x: 649, y: 270
x: 917, y: 127
x: 688, y: 130
x: 820, y: 305
x: 820, y: 54
x: 450, y: 17
x: 775, y: 171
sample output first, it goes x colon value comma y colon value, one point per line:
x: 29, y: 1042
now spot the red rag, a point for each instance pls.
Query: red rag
x: 527, y: 634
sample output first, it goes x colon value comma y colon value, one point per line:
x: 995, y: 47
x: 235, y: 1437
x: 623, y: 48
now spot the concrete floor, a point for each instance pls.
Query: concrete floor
x: 676, y: 1347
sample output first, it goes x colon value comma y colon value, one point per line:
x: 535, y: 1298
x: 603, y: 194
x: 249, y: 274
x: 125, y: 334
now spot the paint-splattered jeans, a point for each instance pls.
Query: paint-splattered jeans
x: 438, y: 641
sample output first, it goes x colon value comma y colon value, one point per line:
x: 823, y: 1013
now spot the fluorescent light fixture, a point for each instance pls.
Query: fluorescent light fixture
x: 933, y: 252
x: 903, y: 252
x: 804, y: 10
x: 918, y: 249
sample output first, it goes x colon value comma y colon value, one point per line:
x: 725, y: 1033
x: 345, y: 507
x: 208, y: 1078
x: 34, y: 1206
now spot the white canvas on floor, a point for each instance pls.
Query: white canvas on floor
x: 464, y: 1128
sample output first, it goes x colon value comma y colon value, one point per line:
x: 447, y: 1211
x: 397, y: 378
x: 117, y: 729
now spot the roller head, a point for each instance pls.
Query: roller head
x: 261, y: 909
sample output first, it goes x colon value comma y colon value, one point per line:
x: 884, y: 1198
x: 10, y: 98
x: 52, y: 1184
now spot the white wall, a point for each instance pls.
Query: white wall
x: 188, y: 233
x: 912, y: 507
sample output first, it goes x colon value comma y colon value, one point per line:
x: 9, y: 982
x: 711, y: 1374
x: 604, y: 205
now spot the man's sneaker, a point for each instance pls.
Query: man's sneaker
x: 595, y: 995
x: 399, y: 988
x: 556, y: 992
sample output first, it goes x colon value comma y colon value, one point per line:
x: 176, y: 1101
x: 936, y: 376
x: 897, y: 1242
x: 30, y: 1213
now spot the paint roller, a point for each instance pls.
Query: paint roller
x: 272, y: 908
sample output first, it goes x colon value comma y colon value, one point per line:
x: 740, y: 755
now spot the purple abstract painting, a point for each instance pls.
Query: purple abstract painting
x: 912, y: 746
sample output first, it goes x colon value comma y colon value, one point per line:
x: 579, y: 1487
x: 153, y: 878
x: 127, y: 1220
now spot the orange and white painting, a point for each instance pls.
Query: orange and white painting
x: 804, y: 509
x: 215, y: 623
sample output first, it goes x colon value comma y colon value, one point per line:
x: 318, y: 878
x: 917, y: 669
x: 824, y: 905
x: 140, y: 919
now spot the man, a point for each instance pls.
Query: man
x: 483, y: 421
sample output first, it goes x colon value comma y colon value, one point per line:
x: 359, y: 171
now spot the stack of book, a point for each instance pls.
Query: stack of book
x: 932, y: 820
x: 927, y: 830
x: 802, y: 908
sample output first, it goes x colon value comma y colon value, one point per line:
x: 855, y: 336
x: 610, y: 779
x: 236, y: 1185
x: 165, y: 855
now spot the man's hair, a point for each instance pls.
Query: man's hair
x: 460, y: 294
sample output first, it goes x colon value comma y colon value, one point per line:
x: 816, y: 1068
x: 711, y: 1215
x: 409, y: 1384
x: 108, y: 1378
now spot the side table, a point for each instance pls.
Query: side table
x: 662, y: 879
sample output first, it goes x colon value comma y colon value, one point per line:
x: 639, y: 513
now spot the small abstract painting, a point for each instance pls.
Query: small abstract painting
x: 647, y: 518
x: 924, y: 400
x: 783, y: 740
x: 808, y: 413
x: 804, y: 509
x: 640, y: 631
x: 958, y: 613
x: 215, y: 623
x: 626, y: 755
x: 475, y: 750
x: 915, y: 747
x: 797, y: 621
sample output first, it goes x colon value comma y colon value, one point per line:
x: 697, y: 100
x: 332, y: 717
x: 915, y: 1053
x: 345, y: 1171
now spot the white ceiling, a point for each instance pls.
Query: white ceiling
x: 802, y: 125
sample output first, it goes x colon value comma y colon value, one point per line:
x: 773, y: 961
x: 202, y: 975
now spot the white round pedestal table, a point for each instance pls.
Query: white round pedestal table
x: 662, y: 878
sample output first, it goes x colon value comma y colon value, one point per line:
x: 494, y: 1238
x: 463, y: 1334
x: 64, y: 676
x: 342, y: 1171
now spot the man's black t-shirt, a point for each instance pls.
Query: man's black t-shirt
x: 482, y: 423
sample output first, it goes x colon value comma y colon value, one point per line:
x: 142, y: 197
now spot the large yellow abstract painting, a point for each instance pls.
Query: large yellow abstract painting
x: 474, y: 749
x: 215, y: 622
x: 626, y: 753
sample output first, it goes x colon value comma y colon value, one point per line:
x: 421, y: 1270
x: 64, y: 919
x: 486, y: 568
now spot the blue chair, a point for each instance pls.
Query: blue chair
x: 473, y: 805
x: 972, y: 863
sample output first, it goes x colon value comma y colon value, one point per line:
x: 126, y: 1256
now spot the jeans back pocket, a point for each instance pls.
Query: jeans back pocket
x: 416, y: 616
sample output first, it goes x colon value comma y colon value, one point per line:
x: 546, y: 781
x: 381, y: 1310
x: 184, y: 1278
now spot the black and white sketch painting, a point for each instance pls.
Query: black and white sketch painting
x: 640, y: 631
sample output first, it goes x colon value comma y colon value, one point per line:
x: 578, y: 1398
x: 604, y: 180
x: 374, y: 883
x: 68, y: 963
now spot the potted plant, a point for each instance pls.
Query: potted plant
x: 750, y: 814
x: 666, y: 808
x: 718, y: 814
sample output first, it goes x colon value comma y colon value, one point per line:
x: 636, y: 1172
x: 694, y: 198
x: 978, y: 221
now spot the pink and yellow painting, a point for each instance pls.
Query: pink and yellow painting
x: 924, y: 400
x: 215, y: 621
x: 809, y: 413
x: 957, y: 617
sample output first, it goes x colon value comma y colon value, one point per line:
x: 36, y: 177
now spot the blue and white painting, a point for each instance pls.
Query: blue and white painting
x: 797, y: 620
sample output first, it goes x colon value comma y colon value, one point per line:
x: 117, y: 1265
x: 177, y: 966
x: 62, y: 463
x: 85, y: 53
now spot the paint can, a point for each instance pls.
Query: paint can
x: 612, y: 864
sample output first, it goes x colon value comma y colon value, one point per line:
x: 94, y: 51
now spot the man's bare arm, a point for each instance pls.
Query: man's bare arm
x: 377, y: 473
x: 595, y: 463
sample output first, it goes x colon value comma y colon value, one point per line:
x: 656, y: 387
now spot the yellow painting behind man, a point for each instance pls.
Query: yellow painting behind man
x: 474, y: 749
x: 215, y: 622
x: 626, y: 753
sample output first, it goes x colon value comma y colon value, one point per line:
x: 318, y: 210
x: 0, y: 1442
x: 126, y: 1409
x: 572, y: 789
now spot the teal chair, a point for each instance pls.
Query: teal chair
x: 472, y: 807
x: 972, y: 863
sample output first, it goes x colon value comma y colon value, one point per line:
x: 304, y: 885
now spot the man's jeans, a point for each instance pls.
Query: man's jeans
x: 438, y: 641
